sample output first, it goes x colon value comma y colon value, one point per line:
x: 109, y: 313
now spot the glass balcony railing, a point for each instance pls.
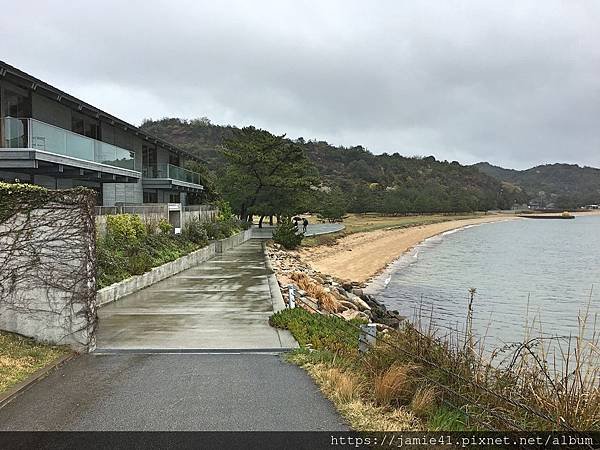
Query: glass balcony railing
x: 173, y: 172
x: 31, y: 133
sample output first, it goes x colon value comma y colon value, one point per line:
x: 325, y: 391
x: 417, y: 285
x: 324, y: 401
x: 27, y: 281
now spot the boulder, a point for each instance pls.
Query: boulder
x: 358, y: 292
x: 347, y: 285
x: 348, y: 305
x: 342, y: 292
x: 338, y: 296
x: 353, y: 314
x: 382, y: 327
x: 360, y: 303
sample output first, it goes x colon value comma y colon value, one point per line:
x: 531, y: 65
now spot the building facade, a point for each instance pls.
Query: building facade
x: 50, y: 138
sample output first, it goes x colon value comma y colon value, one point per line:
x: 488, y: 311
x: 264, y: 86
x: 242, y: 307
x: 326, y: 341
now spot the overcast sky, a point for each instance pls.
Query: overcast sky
x: 514, y: 83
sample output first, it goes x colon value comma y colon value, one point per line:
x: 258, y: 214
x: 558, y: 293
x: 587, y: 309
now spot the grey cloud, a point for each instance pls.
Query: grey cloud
x: 514, y: 83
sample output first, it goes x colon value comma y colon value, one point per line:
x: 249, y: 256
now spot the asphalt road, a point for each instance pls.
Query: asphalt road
x: 166, y: 392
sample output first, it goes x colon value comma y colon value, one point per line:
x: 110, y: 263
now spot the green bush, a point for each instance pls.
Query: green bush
x: 164, y: 226
x: 321, y: 332
x: 287, y: 235
x: 132, y: 248
x: 195, y: 232
x: 125, y: 227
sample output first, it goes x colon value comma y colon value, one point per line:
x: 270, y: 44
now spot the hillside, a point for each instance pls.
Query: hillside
x: 559, y: 185
x: 381, y: 183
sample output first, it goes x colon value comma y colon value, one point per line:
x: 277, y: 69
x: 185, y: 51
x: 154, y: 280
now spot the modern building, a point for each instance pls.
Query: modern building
x: 53, y: 139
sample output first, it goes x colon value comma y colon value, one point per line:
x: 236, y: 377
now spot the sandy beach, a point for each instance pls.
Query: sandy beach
x: 361, y: 256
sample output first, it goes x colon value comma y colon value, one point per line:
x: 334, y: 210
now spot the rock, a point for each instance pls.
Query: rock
x: 348, y: 305
x: 353, y: 314
x: 311, y: 303
x: 371, y: 300
x: 362, y: 305
x: 318, y: 279
x: 358, y: 292
x: 391, y: 322
x: 342, y: 292
x: 347, y: 285
x: 382, y: 327
x: 339, y: 297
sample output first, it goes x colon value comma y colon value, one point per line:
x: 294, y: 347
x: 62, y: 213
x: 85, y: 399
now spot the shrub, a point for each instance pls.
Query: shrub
x: 125, y: 227
x: 225, y: 212
x: 195, y: 232
x: 164, y: 226
x: 131, y: 247
x: 222, y: 229
x: 287, y: 235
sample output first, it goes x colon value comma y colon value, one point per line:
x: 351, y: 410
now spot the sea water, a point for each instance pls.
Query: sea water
x: 540, y: 275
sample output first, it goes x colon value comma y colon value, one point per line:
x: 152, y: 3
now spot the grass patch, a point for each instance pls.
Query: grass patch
x: 21, y: 356
x: 320, y: 332
x: 446, y: 419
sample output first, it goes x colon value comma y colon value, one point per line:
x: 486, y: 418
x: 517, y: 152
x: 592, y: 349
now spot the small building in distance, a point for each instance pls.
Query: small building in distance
x: 50, y: 138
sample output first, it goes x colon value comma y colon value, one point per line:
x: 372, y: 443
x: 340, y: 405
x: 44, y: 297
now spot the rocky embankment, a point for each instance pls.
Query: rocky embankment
x: 324, y: 294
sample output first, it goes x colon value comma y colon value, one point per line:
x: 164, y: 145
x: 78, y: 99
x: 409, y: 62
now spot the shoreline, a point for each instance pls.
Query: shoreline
x: 363, y: 256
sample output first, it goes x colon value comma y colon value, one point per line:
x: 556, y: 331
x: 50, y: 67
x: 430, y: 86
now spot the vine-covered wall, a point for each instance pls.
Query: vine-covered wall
x: 47, y: 264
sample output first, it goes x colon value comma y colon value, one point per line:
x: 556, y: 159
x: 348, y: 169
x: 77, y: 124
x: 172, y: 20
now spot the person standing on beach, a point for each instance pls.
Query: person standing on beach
x: 304, y: 224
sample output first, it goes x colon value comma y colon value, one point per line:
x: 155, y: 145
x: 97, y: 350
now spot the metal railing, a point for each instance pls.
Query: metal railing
x: 32, y: 133
x: 172, y: 172
x: 158, y: 208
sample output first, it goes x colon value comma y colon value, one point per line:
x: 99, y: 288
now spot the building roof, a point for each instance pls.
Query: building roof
x: 13, y: 74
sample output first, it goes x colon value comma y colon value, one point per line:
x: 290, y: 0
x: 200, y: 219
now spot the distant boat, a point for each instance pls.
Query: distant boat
x: 564, y: 215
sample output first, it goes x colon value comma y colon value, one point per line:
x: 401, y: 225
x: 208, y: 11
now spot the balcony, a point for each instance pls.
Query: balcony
x: 31, y: 142
x: 168, y: 176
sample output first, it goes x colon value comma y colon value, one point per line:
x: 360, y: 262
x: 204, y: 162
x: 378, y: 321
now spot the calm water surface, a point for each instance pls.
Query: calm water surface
x: 523, y: 270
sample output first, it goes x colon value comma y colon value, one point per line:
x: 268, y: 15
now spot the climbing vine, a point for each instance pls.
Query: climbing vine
x: 47, y: 261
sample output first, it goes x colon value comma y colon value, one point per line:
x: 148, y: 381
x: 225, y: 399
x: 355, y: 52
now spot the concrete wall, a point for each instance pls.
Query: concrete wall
x: 47, y: 272
x: 130, y: 285
x: 209, y: 215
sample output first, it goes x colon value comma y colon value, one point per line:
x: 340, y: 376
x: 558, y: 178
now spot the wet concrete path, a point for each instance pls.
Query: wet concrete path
x: 221, y: 304
x: 166, y: 392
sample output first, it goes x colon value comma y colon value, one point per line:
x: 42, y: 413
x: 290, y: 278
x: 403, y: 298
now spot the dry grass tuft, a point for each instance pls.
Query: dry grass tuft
x: 424, y: 401
x: 345, y: 390
x: 393, y: 385
x: 325, y: 299
x: 342, y: 386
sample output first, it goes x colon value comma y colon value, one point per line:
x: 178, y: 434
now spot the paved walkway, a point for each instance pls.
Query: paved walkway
x: 154, y: 369
x: 222, y: 304
x: 164, y: 392
x: 313, y: 229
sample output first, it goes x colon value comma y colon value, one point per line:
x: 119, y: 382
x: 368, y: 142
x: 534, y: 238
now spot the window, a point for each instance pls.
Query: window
x: 150, y: 197
x: 174, y: 159
x: 84, y: 125
x: 174, y: 198
x: 149, y: 164
x: 16, y: 105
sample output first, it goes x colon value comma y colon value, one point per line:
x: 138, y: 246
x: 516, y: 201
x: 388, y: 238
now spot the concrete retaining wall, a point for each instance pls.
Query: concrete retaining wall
x: 133, y: 284
x: 47, y: 270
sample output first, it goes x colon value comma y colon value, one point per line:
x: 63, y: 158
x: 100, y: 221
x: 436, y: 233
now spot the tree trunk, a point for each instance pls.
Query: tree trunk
x: 271, y: 220
x: 260, y: 221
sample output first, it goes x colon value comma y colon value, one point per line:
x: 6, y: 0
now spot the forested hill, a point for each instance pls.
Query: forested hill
x: 367, y: 182
x: 561, y: 185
